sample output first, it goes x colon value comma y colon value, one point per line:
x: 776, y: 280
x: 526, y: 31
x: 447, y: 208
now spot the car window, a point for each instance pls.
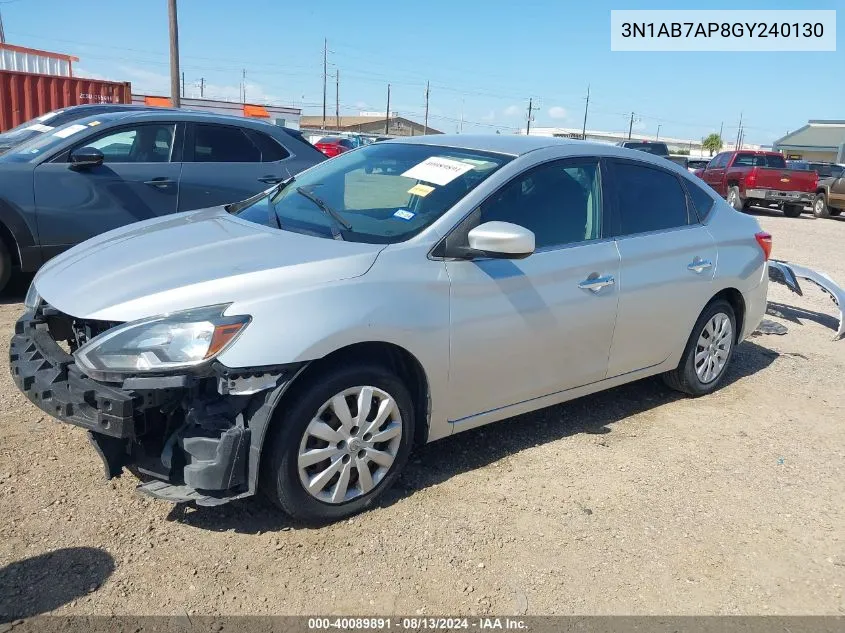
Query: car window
x: 759, y: 160
x: 702, y: 202
x: 648, y: 199
x: 270, y: 149
x: 560, y: 202
x: 720, y: 160
x: 150, y: 143
x: 223, y: 144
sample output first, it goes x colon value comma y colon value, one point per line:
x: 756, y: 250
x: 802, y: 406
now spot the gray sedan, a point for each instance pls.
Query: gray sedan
x: 303, y: 342
x: 109, y: 169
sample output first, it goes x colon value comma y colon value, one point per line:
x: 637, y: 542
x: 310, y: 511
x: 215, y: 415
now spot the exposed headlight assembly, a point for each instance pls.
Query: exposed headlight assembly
x: 164, y: 343
x: 32, y: 299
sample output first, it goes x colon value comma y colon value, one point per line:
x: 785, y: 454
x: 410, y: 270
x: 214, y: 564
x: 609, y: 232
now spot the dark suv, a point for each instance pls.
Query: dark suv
x: 104, y: 171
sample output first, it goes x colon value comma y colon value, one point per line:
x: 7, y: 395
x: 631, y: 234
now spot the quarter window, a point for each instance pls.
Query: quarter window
x: 648, y: 199
x: 560, y: 202
x: 142, y: 144
x: 701, y: 200
x: 223, y: 144
x: 270, y: 149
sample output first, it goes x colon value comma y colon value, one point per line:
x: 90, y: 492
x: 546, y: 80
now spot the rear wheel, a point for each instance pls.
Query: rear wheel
x: 339, y: 444
x: 734, y: 199
x: 708, y: 352
x: 820, y: 209
x: 793, y: 210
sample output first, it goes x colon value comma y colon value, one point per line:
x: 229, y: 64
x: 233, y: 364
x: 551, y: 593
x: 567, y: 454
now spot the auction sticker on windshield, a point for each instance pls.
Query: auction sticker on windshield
x: 420, y: 190
x: 440, y: 171
x: 69, y: 130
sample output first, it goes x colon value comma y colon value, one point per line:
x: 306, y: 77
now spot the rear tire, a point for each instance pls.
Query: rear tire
x: 692, y: 375
x: 284, y: 470
x: 793, y: 210
x: 734, y: 198
x: 820, y: 209
x: 834, y: 213
x: 5, y: 266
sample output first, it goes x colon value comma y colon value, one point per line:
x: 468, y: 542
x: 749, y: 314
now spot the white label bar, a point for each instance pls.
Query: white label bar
x: 722, y: 30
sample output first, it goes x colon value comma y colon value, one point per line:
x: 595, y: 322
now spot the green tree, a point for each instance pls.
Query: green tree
x: 713, y: 143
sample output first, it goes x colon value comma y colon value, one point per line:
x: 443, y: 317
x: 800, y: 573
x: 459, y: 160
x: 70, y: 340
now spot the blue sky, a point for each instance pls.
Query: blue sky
x: 484, y: 59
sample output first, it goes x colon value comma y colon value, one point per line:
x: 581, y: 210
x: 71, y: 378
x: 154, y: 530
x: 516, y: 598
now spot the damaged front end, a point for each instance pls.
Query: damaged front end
x: 194, y: 435
x: 788, y: 274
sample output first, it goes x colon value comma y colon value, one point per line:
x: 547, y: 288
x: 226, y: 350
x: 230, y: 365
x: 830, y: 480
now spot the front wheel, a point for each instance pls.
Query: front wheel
x: 708, y: 352
x: 820, y: 209
x: 793, y: 210
x: 340, y: 444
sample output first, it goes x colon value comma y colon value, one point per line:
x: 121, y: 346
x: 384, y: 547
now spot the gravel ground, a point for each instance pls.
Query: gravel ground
x: 633, y: 501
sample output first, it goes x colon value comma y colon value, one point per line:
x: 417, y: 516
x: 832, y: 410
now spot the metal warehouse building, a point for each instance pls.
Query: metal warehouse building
x: 819, y: 140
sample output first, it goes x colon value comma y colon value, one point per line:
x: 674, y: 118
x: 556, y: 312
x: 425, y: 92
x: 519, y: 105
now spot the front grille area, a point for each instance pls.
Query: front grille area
x: 71, y: 331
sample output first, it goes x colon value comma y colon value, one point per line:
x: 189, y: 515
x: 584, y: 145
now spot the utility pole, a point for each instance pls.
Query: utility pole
x: 243, y: 83
x: 531, y: 109
x: 721, y: 127
x: 657, y: 138
x: 631, y: 126
x: 325, y: 69
x: 425, y: 129
x: 202, y: 86
x: 183, y: 84
x: 738, y: 130
x: 586, y: 107
x: 174, y: 54
x: 461, y: 129
x: 337, y: 98
x: 2, y: 33
x: 387, y: 112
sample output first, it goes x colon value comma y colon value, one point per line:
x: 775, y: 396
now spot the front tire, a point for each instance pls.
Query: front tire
x: 339, y: 444
x: 708, y: 353
x: 820, y: 209
x: 793, y: 210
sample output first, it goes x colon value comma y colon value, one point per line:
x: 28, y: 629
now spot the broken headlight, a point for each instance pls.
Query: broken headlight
x: 160, y: 344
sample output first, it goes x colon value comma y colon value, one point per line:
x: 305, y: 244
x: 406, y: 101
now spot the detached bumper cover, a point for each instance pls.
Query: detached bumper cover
x: 788, y: 275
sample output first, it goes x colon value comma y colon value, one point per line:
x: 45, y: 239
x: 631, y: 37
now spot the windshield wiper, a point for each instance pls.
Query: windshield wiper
x: 243, y: 204
x: 334, y: 215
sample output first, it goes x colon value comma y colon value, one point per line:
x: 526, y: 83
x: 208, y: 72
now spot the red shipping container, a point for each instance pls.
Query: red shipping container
x: 24, y: 96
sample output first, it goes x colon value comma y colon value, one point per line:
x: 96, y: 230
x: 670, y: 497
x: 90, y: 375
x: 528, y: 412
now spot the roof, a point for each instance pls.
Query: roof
x: 173, y: 114
x: 354, y: 121
x: 514, y: 145
x: 816, y: 135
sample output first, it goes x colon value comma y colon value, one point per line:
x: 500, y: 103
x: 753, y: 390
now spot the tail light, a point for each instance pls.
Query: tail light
x: 765, y: 241
x: 751, y: 178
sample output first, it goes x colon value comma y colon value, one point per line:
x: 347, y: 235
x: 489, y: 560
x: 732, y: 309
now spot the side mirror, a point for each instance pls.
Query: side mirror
x: 501, y: 240
x: 86, y: 158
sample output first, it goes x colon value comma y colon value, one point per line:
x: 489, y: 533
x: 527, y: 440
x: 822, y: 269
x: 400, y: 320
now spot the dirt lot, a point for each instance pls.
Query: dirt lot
x: 633, y: 501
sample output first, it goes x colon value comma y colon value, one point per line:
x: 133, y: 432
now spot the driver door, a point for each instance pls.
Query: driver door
x: 138, y: 180
x: 526, y: 328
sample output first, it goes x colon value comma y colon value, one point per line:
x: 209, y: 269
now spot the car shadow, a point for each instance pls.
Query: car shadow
x: 795, y: 315
x: 15, y: 290
x: 45, y: 582
x: 596, y: 414
x: 777, y: 213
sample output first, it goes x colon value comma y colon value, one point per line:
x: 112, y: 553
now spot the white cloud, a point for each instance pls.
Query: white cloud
x: 512, y: 110
x: 490, y: 116
x: 556, y: 112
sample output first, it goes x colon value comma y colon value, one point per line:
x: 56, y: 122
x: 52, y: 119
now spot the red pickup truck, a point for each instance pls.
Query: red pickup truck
x: 761, y: 178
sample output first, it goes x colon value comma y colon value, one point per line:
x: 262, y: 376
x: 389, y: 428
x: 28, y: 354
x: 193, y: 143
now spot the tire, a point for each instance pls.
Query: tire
x: 5, y: 266
x: 734, y: 199
x: 686, y: 377
x: 820, y: 209
x: 793, y: 210
x: 283, y: 482
x: 834, y: 213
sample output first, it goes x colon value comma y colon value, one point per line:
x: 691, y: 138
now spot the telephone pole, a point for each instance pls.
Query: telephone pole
x: 325, y: 68
x: 337, y: 98
x: 461, y: 129
x: 721, y: 127
x: 183, y: 84
x: 657, y: 138
x: 531, y: 109
x: 243, y: 85
x: 174, y: 54
x: 387, y: 112
x: 202, y: 86
x: 2, y: 33
x: 738, y: 130
x: 425, y: 125
x: 586, y: 107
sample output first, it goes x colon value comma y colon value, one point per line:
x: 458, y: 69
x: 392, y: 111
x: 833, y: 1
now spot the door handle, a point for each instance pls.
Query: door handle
x: 271, y: 180
x: 597, y: 283
x: 160, y: 182
x: 699, y: 265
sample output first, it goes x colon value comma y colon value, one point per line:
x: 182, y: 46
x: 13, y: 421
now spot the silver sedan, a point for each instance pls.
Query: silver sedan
x: 301, y: 342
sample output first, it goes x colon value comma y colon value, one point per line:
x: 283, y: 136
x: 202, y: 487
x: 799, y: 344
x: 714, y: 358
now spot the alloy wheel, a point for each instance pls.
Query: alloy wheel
x: 713, y: 348
x: 350, y: 444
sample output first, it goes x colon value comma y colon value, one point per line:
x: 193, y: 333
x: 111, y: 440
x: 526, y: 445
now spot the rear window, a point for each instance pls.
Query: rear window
x: 659, y: 149
x: 759, y: 160
x: 826, y: 170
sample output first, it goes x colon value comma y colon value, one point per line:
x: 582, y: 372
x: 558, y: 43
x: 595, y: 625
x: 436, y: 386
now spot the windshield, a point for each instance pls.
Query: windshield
x: 384, y: 193
x: 43, y: 143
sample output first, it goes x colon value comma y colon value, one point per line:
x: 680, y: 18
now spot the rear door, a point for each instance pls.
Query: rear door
x: 668, y: 261
x: 227, y: 163
x: 138, y: 180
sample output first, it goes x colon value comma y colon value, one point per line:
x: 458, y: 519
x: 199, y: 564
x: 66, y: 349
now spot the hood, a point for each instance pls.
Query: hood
x: 191, y: 260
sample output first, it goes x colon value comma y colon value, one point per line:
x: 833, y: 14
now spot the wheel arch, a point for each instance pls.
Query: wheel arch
x: 737, y: 302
